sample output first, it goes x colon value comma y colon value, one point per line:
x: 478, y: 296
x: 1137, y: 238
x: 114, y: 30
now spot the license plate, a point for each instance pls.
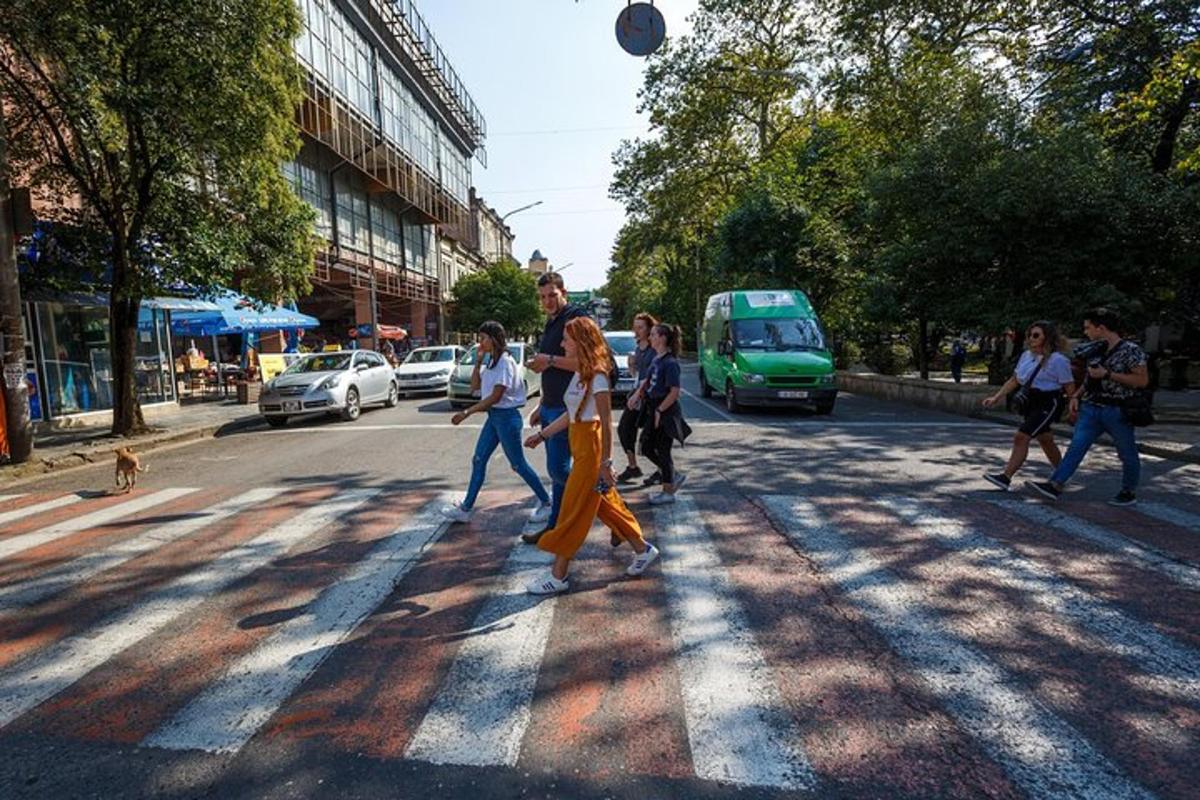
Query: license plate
x: 291, y: 405
x: 476, y: 393
x: 625, y: 386
x: 789, y: 394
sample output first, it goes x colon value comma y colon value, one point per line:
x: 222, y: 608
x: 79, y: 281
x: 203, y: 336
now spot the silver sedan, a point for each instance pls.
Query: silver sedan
x: 329, y: 383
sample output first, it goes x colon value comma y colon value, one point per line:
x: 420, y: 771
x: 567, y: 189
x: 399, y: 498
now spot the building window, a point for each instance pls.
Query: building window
x: 385, y: 226
x: 312, y: 45
x: 312, y: 186
x: 77, y: 353
x: 353, y: 74
x: 397, y: 104
x: 456, y: 171
x: 353, y: 220
x: 418, y: 249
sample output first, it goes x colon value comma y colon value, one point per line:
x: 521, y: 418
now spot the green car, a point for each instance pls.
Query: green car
x: 766, y: 348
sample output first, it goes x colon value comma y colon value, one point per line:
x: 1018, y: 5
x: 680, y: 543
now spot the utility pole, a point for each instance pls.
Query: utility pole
x: 19, y: 426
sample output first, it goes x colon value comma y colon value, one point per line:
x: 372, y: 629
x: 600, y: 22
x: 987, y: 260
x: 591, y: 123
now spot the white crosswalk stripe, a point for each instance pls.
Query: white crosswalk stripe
x: 738, y: 726
x: 28, y: 541
x: 1143, y: 555
x: 1175, y: 516
x: 76, y: 571
x: 34, y: 509
x: 45, y: 673
x: 224, y: 717
x: 482, y: 710
x: 4, y: 498
x: 1170, y: 667
x: 1041, y: 753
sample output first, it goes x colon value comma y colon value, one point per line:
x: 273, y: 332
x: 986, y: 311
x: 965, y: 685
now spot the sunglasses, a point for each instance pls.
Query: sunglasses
x: 1035, y: 335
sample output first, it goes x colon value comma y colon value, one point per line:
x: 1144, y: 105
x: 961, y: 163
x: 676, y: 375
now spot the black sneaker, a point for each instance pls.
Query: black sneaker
x: 999, y: 480
x: 1124, y: 498
x: 654, y: 479
x: 1045, y: 488
x: 629, y: 474
x: 532, y: 538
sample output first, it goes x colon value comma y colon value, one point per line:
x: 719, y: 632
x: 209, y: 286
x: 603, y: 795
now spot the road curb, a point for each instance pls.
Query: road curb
x: 1143, y: 447
x: 40, y: 468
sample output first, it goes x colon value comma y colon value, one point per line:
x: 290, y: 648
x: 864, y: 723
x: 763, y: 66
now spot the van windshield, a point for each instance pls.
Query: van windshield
x: 778, y: 334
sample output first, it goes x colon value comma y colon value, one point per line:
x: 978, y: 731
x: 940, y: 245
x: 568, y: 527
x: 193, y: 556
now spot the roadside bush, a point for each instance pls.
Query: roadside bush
x: 889, y: 358
x: 847, y: 354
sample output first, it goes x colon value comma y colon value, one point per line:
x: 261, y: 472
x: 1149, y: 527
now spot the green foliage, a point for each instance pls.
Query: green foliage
x: 503, y: 292
x: 169, y: 122
x: 889, y: 358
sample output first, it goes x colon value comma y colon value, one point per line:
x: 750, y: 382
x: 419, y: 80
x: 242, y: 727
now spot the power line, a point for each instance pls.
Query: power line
x: 577, y: 211
x: 492, y: 134
x: 549, y: 189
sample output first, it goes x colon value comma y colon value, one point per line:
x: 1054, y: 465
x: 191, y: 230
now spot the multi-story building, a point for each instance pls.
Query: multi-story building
x: 389, y: 133
x: 538, y: 263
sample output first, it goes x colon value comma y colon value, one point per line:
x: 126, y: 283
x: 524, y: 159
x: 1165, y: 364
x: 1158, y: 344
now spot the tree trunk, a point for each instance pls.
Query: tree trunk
x: 18, y: 425
x: 123, y: 317
x: 923, y: 348
x: 1164, y: 151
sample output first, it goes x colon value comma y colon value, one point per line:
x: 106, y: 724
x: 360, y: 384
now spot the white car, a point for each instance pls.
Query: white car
x: 460, y: 394
x: 427, y: 369
x: 624, y: 345
x: 328, y: 383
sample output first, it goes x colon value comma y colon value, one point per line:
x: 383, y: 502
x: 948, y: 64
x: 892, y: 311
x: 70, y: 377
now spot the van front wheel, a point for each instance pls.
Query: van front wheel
x: 825, y: 407
x: 705, y: 388
x: 731, y: 403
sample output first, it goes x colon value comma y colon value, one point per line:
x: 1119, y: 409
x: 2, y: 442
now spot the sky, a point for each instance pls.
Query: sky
x: 559, y: 94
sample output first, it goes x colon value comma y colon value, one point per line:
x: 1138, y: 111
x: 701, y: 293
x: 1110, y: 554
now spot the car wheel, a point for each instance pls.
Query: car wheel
x: 277, y: 422
x: 393, y: 395
x: 731, y: 403
x: 825, y: 408
x: 353, y: 406
x: 705, y: 389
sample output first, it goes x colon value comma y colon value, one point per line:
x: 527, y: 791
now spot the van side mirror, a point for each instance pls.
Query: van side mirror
x: 725, y: 348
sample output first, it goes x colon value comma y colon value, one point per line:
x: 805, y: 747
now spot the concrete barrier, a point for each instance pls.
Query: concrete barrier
x: 956, y: 398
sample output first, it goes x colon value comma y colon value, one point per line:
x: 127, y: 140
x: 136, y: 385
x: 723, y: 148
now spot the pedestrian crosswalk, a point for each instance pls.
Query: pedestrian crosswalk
x: 968, y: 601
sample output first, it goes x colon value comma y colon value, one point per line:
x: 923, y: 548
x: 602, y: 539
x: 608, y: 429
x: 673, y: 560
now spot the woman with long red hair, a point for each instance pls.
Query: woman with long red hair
x: 591, y: 488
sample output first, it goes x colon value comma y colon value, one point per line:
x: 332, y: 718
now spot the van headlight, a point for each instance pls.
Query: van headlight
x: 753, y: 377
x: 827, y: 379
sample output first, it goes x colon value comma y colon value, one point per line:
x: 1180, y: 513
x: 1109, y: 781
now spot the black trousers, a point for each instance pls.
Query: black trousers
x: 627, y: 428
x: 656, y: 446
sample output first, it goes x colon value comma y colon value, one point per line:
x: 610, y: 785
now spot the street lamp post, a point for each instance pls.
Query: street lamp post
x: 509, y: 214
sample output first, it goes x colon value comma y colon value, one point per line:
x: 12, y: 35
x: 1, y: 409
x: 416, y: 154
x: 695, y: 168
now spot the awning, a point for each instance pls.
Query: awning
x: 237, y: 314
x: 179, y: 304
x: 385, y: 331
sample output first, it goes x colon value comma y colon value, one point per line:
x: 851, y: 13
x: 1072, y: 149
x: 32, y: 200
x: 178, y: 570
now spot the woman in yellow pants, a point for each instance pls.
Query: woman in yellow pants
x: 591, y: 486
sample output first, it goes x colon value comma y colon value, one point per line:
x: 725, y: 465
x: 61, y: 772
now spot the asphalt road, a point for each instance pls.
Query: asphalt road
x: 843, y: 609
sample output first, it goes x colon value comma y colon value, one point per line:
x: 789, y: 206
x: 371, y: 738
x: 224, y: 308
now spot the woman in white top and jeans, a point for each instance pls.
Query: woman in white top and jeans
x: 1051, y: 382
x: 502, y: 394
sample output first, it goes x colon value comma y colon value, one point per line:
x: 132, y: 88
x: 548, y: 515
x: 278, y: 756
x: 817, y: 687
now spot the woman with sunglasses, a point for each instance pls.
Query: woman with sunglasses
x: 1046, y: 374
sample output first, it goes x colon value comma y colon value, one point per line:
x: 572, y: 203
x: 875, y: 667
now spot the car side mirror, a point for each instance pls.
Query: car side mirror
x: 362, y: 368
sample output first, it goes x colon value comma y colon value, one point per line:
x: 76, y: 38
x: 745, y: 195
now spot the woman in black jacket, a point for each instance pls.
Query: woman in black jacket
x: 664, y: 417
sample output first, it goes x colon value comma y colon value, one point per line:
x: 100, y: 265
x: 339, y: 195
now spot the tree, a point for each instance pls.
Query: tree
x: 503, y: 292
x: 169, y: 123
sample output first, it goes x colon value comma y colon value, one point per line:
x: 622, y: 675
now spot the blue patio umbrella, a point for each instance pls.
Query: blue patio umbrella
x: 236, y: 314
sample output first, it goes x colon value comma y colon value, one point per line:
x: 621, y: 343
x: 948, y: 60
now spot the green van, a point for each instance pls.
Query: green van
x: 766, y: 348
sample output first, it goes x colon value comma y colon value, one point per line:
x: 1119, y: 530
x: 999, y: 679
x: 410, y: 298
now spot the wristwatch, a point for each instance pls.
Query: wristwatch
x: 552, y: 359
x: 606, y: 463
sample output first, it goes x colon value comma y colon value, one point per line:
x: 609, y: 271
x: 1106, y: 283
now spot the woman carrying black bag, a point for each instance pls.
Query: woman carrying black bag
x: 1041, y: 381
x: 665, y: 424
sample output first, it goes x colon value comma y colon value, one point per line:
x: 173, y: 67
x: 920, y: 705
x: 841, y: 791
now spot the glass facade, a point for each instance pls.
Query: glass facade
x: 418, y: 249
x: 312, y: 185
x: 76, y: 353
x: 385, y: 227
x: 353, y: 220
x: 335, y: 51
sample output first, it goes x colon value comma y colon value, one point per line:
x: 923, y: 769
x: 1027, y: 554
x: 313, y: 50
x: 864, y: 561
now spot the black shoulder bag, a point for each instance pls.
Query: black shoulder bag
x: 1138, y: 409
x: 1021, y: 397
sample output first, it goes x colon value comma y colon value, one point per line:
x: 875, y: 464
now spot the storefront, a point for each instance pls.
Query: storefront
x: 70, y: 344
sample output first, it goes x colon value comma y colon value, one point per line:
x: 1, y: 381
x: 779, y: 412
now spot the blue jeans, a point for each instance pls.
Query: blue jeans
x: 558, y: 459
x: 1094, y: 420
x: 503, y: 428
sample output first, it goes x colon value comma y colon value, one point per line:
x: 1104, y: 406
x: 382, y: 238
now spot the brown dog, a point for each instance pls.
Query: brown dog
x: 128, y: 468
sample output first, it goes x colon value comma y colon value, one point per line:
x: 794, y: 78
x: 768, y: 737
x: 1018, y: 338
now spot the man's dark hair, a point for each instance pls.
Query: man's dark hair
x: 1104, y: 316
x: 547, y: 278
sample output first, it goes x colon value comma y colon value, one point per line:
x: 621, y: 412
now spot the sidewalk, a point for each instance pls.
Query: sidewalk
x: 91, y: 444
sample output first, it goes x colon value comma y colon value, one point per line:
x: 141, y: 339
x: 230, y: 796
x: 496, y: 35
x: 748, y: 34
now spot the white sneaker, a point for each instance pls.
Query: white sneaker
x: 680, y: 477
x: 662, y: 499
x: 642, y: 560
x: 541, y: 512
x: 456, y: 513
x: 547, y: 584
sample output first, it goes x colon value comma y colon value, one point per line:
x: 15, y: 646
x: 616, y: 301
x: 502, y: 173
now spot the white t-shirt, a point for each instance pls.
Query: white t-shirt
x: 503, y: 374
x: 575, y: 392
x: 1055, y: 373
